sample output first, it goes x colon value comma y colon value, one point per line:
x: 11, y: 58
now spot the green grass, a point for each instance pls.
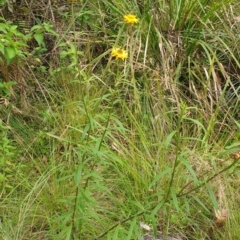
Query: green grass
x: 99, y: 145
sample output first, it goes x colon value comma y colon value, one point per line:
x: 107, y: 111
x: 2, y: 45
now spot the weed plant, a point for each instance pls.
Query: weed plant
x: 130, y: 121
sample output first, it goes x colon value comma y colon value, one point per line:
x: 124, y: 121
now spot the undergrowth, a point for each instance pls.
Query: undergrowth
x: 95, y: 147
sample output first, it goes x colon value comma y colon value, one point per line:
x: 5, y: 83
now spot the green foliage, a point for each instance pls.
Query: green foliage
x: 2, y: 2
x: 7, y: 159
x: 69, y: 50
x: 38, y: 31
x: 5, y: 88
x: 107, y: 144
x: 12, y: 42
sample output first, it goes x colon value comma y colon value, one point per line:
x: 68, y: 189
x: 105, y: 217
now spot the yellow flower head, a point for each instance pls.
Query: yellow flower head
x: 119, y: 53
x: 130, y: 19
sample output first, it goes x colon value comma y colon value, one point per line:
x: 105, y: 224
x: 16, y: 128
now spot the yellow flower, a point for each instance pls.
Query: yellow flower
x: 119, y: 53
x: 130, y: 19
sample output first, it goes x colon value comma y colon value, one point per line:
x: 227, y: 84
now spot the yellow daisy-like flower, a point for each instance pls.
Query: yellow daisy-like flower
x: 119, y: 53
x: 130, y: 19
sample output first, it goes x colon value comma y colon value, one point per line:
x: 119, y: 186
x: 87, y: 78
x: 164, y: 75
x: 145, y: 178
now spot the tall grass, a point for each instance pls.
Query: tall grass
x: 107, y: 144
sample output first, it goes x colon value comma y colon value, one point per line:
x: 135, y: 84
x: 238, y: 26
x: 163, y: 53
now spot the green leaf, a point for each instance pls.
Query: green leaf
x: 10, y: 53
x: 8, y: 186
x: 159, y: 176
x: 3, y: 27
x: 13, y: 29
x: 132, y: 226
x: 2, y: 177
x: 200, y: 125
x: 63, y: 54
x: 2, y: 48
x: 175, y: 200
x: 212, y: 197
x: 169, y: 139
x: 189, y: 168
x: 39, y: 38
x: 233, y: 145
x: 200, y: 203
x: 2, y: 2
x: 48, y: 28
x: 36, y: 27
